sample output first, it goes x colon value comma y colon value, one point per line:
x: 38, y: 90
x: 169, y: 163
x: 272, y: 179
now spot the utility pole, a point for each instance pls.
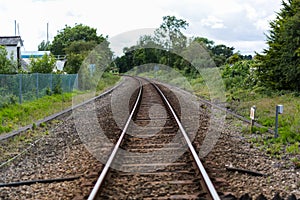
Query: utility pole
x: 18, y: 29
x: 15, y: 27
x: 47, y: 33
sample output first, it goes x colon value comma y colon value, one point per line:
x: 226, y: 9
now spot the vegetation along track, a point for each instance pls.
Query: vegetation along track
x: 156, y: 160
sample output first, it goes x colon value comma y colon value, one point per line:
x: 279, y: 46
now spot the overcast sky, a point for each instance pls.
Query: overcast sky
x: 238, y: 23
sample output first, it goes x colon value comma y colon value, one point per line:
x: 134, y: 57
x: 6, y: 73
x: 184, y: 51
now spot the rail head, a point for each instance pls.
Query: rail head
x: 105, y: 170
x: 209, y: 185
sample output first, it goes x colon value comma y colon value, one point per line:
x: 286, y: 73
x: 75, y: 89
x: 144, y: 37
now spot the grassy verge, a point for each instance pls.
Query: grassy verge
x: 14, y: 116
x: 240, y: 101
x: 289, y: 122
x: 17, y: 115
x: 106, y: 81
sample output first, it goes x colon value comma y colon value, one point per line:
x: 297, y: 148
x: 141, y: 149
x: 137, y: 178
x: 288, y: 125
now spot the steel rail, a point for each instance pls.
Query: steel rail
x: 238, y: 116
x: 208, y: 183
x: 103, y: 174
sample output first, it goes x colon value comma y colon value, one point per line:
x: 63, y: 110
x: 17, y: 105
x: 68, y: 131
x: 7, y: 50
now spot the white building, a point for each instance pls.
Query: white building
x: 27, y: 55
x: 13, y: 46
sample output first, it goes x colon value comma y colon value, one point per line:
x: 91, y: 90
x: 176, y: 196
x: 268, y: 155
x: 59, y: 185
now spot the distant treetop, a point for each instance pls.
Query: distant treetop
x: 70, y: 34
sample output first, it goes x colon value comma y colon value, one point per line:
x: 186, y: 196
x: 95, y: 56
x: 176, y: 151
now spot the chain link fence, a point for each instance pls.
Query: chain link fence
x: 27, y: 87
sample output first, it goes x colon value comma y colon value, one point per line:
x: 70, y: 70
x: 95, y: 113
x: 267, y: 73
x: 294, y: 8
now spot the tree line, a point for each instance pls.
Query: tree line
x: 276, y: 68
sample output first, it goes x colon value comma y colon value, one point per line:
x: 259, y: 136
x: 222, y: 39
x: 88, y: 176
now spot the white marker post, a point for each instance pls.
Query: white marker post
x: 252, y: 116
x: 279, y: 110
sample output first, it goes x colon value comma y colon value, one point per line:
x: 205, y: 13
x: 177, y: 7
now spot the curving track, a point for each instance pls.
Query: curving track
x: 156, y: 160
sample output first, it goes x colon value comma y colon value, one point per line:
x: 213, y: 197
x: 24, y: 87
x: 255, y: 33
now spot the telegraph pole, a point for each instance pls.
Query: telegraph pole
x: 15, y: 27
x: 47, y: 33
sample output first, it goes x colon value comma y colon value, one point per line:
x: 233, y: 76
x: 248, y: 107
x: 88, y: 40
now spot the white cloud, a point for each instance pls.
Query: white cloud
x: 228, y: 21
x: 127, y: 39
x: 246, y: 47
x: 213, y: 22
x: 251, y: 12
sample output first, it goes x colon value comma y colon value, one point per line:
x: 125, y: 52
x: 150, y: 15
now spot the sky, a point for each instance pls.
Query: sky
x: 241, y: 24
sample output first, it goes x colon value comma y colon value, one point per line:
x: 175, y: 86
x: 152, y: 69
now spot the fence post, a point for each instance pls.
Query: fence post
x: 51, y: 82
x: 37, y: 85
x: 76, y: 82
x: 70, y: 77
x: 20, y: 88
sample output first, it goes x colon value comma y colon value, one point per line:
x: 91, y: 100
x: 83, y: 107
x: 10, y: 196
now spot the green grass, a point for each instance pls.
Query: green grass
x: 17, y: 115
x: 240, y: 101
x: 289, y: 121
x: 107, y: 80
x: 14, y: 116
x: 293, y: 148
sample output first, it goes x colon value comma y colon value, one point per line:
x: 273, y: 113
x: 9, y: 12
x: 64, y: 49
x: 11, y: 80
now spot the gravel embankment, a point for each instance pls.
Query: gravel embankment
x: 234, y: 149
x: 61, y: 153
x: 58, y: 155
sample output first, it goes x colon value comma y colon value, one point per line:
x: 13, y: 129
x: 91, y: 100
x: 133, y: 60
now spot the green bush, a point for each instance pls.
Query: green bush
x: 106, y: 80
x: 57, y: 86
x: 241, y: 74
x: 45, y: 64
x: 8, y: 99
x: 48, y: 91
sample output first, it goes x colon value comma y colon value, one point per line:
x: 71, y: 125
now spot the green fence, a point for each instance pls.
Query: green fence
x: 27, y: 87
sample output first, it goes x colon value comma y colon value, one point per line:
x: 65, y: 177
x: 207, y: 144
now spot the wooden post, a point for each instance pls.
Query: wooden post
x: 252, y: 116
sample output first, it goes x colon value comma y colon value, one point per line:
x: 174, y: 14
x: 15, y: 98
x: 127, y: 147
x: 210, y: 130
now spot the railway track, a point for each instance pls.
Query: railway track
x: 152, y: 159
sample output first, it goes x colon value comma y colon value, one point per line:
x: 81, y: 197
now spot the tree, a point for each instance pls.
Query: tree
x: 44, y: 46
x: 45, y: 64
x: 162, y: 48
x: 221, y: 53
x: 240, y: 74
x: 7, y: 66
x: 169, y: 33
x: 145, y: 51
x: 76, y: 53
x: 70, y: 34
x: 279, y: 65
x: 205, y: 42
x: 95, y: 63
x: 77, y: 43
x: 167, y: 46
x: 234, y: 58
x: 125, y: 62
x: 170, y: 37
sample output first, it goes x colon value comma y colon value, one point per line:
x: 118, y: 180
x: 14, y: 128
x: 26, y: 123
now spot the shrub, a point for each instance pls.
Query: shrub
x: 7, y: 100
x: 48, y: 91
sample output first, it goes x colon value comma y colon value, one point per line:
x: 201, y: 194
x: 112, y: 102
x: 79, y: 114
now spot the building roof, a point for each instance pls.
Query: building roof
x: 11, y: 41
